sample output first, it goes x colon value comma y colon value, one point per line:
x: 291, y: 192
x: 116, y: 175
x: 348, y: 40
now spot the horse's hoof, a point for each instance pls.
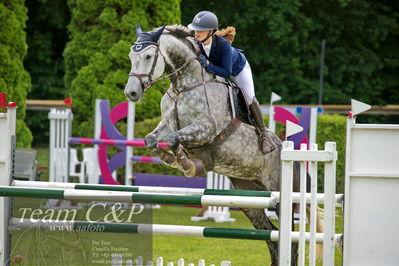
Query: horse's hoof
x: 183, y: 160
x: 167, y: 157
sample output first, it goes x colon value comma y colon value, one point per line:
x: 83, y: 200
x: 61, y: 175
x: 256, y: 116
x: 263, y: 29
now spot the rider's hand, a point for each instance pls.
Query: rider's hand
x: 202, y: 59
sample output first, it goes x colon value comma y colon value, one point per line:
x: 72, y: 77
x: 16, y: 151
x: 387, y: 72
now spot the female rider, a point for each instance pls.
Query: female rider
x: 220, y: 58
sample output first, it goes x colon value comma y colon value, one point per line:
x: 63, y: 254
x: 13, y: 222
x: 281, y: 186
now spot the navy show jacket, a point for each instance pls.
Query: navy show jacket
x: 225, y: 60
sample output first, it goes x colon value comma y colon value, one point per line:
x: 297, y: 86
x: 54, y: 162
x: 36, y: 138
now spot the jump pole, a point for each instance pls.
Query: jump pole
x: 113, y: 142
x: 137, y: 197
x: 146, y: 159
x: 168, y: 190
x: 157, y: 229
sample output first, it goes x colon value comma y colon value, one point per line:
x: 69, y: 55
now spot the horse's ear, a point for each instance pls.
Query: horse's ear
x: 158, y: 33
x: 138, y: 30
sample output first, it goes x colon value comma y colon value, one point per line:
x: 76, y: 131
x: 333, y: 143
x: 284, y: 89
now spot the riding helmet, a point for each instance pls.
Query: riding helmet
x: 204, y: 20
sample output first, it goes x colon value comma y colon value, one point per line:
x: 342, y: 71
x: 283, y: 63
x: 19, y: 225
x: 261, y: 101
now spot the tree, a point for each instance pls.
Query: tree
x: 46, y: 38
x: 281, y: 40
x: 97, y: 63
x: 14, y: 79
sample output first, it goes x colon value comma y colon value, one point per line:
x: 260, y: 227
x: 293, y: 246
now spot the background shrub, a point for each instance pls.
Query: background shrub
x: 14, y: 79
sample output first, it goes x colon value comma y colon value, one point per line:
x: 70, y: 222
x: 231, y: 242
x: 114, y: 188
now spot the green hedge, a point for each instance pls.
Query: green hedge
x: 96, y: 57
x: 333, y: 128
x: 14, y: 79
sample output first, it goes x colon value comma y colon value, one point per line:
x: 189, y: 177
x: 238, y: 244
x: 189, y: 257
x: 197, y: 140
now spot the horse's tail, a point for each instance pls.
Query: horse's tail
x: 319, y: 229
x: 319, y: 221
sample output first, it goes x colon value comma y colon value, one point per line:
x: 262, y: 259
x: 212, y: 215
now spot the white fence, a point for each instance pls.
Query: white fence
x: 7, y: 144
x: 117, y: 260
x: 60, y: 131
x: 307, y: 158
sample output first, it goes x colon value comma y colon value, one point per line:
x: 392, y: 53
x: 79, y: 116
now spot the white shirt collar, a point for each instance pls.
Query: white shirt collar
x: 207, y: 48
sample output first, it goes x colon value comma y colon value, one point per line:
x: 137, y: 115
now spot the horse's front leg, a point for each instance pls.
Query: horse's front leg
x: 196, y: 134
x: 161, y: 132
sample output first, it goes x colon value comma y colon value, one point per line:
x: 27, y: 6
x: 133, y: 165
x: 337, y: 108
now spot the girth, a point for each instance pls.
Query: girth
x: 204, y: 152
x: 186, y: 88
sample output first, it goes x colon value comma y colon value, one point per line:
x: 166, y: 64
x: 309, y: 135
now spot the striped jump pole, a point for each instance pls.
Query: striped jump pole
x: 146, y: 159
x: 156, y: 229
x: 113, y: 142
x: 137, y: 197
x: 165, y: 190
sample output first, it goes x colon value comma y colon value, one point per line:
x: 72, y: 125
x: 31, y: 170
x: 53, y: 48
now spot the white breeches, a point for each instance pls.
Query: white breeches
x: 245, y: 82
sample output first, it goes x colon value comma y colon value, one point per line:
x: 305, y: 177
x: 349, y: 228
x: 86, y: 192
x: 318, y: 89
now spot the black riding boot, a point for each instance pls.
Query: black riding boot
x: 266, y: 143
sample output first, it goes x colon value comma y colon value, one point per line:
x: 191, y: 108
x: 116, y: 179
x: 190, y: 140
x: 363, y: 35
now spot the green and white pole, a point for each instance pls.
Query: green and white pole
x: 155, y: 229
x: 137, y: 197
x: 144, y: 189
x: 165, y: 190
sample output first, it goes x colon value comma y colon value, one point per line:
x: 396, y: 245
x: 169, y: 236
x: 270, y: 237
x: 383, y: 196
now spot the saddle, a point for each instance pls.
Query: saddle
x: 240, y: 113
x: 238, y: 105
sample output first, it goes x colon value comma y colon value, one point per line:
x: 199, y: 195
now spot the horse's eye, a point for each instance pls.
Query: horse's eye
x: 148, y: 57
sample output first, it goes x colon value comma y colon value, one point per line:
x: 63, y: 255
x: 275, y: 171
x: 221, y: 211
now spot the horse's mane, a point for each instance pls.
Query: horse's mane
x: 179, y: 31
x: 185, y: 34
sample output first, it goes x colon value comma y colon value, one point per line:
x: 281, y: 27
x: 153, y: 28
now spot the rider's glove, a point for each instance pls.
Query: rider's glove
x: 202, y: 59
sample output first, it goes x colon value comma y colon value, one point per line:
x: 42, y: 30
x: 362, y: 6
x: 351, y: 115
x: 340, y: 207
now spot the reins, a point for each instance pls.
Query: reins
x: 150, y: 81
x: 146, y: 85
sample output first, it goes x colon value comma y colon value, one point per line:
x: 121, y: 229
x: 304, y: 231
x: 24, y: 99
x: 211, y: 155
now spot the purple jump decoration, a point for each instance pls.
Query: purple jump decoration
x: 282, y: 115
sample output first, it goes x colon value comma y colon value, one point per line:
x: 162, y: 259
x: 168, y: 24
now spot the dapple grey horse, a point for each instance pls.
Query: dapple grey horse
x: 197, y: 119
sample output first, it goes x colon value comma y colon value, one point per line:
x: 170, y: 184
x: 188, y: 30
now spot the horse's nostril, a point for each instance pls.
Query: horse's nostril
x: 133, y: 94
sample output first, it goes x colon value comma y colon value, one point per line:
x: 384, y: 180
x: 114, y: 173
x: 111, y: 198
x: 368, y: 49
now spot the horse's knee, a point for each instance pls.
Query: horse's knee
x: 151, y: 141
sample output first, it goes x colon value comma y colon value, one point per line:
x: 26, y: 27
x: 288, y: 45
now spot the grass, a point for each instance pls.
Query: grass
x: 42, y: 158
x: 240, y: 252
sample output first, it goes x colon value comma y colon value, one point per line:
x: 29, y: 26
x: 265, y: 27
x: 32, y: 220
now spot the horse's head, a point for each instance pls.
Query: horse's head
x: 147, y: 65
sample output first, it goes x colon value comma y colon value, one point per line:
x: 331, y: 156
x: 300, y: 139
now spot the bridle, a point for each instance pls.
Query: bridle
x: 146, y: 85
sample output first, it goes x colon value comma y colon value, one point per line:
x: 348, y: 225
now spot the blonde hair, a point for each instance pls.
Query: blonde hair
x: 229, y: 33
